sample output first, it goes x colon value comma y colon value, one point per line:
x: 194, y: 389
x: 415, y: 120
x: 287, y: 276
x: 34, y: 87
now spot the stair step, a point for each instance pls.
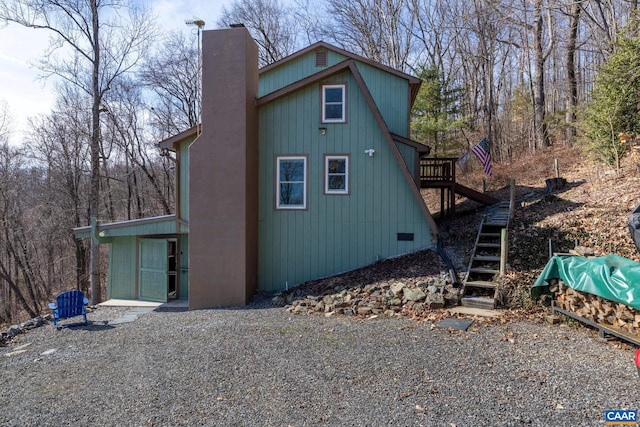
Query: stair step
x: 483, y: 270
x: 479, y: 302
x: 496, y: 223
x: 488, y: 245
x: 480, y: 284
x: 489, y: 234
x: 486, y: 258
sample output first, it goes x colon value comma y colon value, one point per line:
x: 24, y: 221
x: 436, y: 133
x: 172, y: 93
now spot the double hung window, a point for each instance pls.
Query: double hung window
x: 333, y: 103
x: 291, y: 186
x: 336, y: 179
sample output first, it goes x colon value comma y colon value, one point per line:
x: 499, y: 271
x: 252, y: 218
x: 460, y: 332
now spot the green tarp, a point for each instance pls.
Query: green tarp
x: 611, y: 277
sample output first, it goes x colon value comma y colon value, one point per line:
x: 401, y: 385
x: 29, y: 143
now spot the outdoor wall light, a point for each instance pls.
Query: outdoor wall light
x: 370, y: 152
x: 323, y: 131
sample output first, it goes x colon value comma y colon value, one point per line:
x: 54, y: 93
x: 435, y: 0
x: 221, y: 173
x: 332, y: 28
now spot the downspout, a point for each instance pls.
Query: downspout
x: 176, y: 184
x: 443, y: 254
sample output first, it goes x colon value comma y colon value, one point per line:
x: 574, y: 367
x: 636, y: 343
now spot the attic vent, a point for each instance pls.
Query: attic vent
x: 405, y: 237
x: 321, y: 58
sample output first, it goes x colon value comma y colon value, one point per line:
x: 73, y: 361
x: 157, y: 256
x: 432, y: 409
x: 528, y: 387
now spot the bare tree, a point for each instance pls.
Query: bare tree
x: 17, y: 271
x: 59, y: 142
x: 270, y: 23
x: 380, y: 30
x: 539, y: 57
x: 125, y: 128
x: 575, y: 9
x: 5, y: 121
x: 103, y: 46
x: 310, y: 20
x: 535, y: 20
x: 435, y: 32
x: 171, y: 74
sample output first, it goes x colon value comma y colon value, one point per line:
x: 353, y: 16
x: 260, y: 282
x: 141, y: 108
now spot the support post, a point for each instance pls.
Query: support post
x: 512, y: 197
x: 504, y: 250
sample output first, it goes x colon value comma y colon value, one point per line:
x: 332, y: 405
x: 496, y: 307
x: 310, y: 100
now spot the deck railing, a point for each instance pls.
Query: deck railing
x: 438, y: 169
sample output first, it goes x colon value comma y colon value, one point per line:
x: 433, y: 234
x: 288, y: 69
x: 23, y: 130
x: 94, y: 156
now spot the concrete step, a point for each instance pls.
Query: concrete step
x: 470, y: 311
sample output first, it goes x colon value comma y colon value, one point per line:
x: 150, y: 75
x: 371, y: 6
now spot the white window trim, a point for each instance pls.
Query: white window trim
x: 346, y: 173
x: 344, y: 103
x: 304, y: 183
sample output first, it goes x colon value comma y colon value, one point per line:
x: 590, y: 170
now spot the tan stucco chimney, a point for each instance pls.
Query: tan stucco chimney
x: 223, y: 174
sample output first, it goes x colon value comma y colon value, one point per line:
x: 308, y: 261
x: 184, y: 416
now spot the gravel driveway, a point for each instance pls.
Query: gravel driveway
x: 262, y: 366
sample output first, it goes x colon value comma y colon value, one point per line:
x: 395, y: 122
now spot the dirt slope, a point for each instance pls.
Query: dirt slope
x: 591, y: 210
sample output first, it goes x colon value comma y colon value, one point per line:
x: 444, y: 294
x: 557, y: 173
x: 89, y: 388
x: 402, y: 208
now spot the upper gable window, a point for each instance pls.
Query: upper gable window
x: 333, y: 103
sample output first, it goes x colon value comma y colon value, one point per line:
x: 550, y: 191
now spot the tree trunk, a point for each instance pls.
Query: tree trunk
x: 572, y: 81
x: 540, y: 127
x: 94, y: 195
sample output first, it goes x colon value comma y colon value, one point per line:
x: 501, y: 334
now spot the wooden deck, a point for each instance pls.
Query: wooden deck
x: 440, y: 173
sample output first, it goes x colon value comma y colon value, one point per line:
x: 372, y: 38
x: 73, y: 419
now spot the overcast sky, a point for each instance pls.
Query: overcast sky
x: 27, y: 95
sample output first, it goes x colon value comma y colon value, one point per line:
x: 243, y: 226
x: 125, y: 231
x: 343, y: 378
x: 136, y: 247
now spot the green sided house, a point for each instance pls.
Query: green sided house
x: 301, y: 170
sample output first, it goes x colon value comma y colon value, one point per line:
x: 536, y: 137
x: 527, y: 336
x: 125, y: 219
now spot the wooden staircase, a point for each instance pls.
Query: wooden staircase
x: 480, y: 287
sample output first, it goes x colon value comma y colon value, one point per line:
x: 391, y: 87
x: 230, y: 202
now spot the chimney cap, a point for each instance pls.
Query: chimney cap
x: 240, y: 25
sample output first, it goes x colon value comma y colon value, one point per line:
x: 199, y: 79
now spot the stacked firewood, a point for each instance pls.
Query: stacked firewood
x: 598, y: 309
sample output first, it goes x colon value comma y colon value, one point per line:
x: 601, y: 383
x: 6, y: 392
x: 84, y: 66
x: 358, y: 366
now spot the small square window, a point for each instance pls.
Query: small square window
x: 333, y: 103
x: 336, y: 175
x: 291, y: 187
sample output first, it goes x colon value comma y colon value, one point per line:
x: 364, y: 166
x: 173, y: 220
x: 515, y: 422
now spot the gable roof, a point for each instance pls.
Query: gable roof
x: 307, y: 81
x: 351, y: 65
x: 414, y: 82
x: 165, y: 224
x: 422, y: 149
x: 171, y: 142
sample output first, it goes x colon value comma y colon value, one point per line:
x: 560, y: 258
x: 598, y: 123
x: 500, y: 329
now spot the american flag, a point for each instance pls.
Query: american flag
x: 483, y: 153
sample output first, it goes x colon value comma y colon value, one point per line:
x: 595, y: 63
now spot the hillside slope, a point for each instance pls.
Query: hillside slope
x: 591, y: 210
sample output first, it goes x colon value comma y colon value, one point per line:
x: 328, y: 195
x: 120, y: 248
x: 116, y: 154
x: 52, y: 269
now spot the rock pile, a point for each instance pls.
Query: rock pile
x: 388, y: 298
x: 14, y: 330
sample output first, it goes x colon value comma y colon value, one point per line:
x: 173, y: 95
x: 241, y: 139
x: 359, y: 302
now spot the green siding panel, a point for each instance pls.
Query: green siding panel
x: 293, y: 71
x: 390, y: 92
x: 335, y: 233
x: 409, y: 155
x: 121, y: 277
x: 391, y: 95
x: 184, y: 181
x: 153, y: 270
